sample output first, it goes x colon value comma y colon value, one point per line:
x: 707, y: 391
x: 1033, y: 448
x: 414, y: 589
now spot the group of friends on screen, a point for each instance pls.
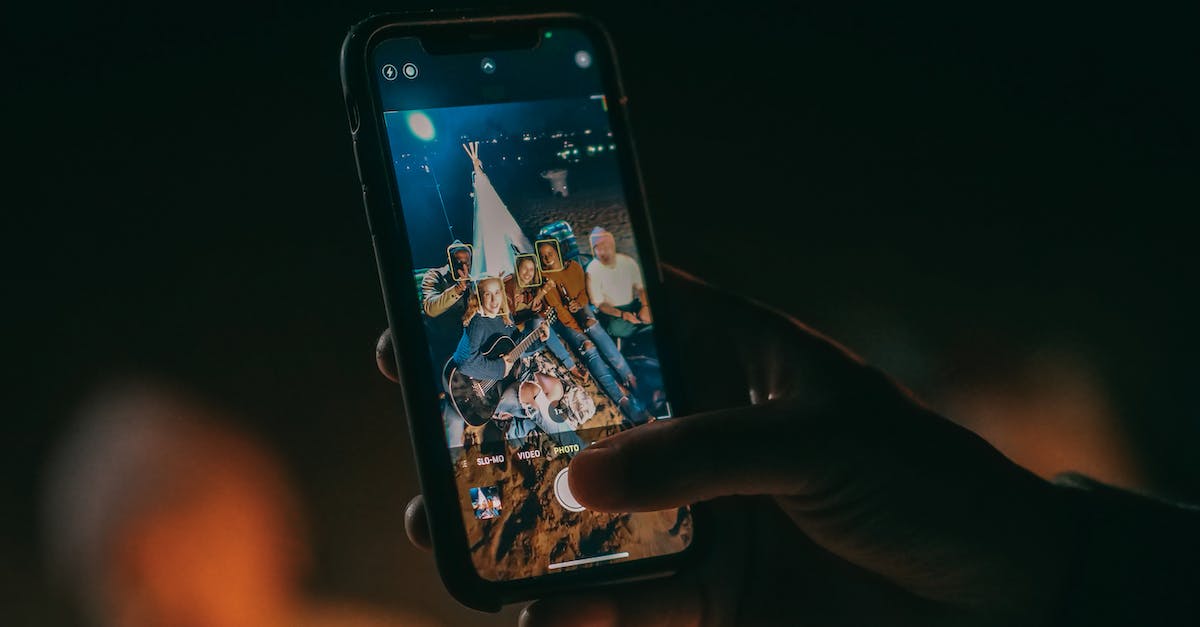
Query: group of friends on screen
x: 577, y: 313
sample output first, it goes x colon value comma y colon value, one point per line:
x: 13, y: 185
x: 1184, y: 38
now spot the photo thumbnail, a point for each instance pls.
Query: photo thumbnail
x: 486, y: 502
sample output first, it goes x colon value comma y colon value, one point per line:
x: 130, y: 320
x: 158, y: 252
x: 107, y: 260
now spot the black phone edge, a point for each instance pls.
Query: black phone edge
x: 393, y: 258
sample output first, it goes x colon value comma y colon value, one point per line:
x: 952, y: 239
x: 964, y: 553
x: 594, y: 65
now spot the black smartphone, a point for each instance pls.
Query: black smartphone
x: 522, y: 289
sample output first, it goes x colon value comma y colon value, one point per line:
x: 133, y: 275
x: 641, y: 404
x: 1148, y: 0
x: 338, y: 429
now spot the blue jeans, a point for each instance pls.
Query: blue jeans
x: 554, y: 343
x: 559, y: 350
x: 603, y: 341
x: 602, y: 359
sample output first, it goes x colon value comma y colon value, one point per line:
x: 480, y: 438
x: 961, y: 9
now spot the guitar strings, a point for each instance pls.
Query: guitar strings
x: 493, y: 382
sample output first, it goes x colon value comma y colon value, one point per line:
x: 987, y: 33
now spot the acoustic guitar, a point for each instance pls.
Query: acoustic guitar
x: 476, y: 399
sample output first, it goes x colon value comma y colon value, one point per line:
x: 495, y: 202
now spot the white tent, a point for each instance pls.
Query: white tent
x: 498, y: 237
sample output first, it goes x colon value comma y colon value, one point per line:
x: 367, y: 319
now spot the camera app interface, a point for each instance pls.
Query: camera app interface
x: 531, y: 291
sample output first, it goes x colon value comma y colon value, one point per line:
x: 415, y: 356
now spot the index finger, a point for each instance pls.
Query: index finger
x: 385, y: 356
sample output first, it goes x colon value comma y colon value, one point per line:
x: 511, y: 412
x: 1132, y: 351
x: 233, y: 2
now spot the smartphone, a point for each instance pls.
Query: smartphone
x: 522, y: 289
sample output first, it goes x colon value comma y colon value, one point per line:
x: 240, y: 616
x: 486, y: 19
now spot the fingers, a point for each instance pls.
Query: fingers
x: 416, y: 525
x: 385, y: 356
x: 671, y: 463
x: 670, y: 603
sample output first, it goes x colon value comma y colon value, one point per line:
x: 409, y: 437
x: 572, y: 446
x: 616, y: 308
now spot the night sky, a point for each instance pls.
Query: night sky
x: 513, y: 179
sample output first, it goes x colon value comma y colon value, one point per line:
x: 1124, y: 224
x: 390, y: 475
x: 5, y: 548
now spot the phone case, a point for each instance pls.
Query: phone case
x: 395, y: 268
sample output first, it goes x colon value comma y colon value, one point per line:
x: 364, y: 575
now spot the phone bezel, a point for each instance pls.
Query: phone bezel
x: 393, y: 256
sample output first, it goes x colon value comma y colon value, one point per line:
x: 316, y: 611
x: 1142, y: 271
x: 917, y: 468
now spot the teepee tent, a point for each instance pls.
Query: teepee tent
x: 498, y: 237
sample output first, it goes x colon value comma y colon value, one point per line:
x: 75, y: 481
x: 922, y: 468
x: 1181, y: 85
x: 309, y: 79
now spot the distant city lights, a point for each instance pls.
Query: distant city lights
x: 524, y: 147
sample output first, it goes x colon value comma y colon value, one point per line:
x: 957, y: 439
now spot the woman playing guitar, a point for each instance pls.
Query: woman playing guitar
x: 524, y: 393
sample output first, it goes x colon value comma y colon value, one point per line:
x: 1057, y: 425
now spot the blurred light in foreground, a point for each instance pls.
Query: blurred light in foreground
x: 160, y: 512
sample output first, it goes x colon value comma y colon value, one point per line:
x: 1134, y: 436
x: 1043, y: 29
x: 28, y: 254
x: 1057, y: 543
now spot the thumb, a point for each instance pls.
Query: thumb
x: 806, y: 447
x: 671, y: 463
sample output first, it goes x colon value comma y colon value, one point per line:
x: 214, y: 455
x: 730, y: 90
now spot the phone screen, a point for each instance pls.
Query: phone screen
x: 531, y: 291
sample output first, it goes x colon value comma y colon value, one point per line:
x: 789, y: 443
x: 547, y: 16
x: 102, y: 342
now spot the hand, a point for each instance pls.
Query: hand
x: 509, y: 359
x: 644, y: 315
x: 835, y: 497
x: 629, y: 316
x: 544, y: 331
x: 551, y: 284
x: 463, y: 278
x: 581, y: 374
x: 574, y: 306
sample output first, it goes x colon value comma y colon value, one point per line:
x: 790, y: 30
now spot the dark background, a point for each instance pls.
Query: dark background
x: 951, y: 190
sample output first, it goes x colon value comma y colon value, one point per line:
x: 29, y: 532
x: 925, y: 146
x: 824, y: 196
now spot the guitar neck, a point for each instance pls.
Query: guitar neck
x: 532, y: 335
x: 529, y: 338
